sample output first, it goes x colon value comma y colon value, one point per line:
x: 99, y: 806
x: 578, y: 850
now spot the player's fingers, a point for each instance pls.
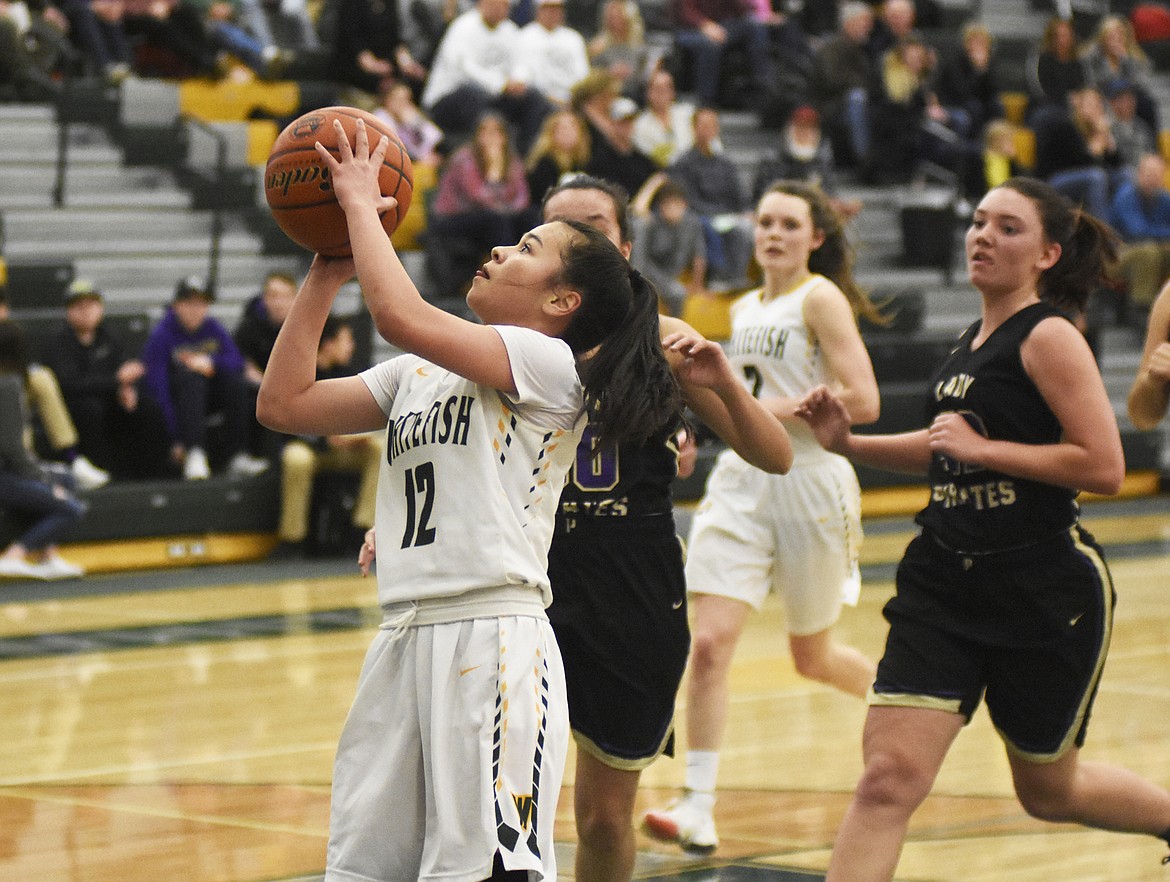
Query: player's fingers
x: 380, y: 149
x: 328, y: 158
x: 361, y: 141
x: 343, y: 148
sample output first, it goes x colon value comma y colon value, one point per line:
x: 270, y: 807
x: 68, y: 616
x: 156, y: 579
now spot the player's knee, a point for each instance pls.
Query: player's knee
x: 892, y: 781
x: 812, y: 665
x: 711, y: 650
x: 602, y: 827
x: 1044, y: 803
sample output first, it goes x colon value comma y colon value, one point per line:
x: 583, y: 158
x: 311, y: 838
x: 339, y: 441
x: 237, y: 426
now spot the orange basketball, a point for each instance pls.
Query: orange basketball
x: 298, y: 188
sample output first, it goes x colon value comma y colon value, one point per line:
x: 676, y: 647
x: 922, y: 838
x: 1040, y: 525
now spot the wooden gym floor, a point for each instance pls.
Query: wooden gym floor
x: 181, y: 724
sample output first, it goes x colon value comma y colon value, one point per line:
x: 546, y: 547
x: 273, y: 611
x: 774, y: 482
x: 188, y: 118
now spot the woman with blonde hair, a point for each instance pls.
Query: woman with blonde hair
x: 1114, y: 56
x: 562, y: 146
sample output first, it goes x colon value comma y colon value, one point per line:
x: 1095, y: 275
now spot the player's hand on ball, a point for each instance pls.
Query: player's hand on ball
x: 355, y: 170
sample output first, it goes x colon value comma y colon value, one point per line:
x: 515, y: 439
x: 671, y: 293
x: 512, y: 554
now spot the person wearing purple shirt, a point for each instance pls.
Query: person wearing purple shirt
x: 193, y: 370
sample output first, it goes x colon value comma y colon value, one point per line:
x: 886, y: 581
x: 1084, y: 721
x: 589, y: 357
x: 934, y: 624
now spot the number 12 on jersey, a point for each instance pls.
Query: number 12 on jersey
x: 420, y: 499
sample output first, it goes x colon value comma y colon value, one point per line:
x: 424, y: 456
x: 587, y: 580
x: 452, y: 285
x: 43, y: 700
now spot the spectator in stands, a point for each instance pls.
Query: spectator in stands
x: 1132, y: 134
x: 711, y: 182
x: 614, y: 156
x: 223, y: 23
x: 304, y: 457
x: 1141, y: 216
x: 619, y: 46
x: 895, y: 21
x: 592, y: 99
x: 669, y: 245
x: 997, y: 160
x: 561, y: 148
x: 1076, y: 153
x: 707, y: 30
x: 477, y: 67
x: 368, y: 47
x: 425, y: 22
x: 194, y: 370
x: 95, y: 27
x: 900, y: 105
x: 1054, y: 69
x: 288, y: 26
x: 419, y: 134
x: 842, y: 75
x: 119, y: 428
x: 1114, y: 54
x: 554, y: 55
x: 255, y: 335
x: 804, y: 154
x: 1150, y: 393
x: 26, y: 486
x: 48, y: 406
x: 24, y: 74
x: 176, y: 28
x: 664, y: 129
x: 966, y: 87
x: 481, y: 201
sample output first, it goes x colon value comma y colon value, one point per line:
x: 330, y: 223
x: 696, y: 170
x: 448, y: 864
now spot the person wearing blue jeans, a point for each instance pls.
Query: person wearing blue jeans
x: 44, y: 501
x: 707, y: 29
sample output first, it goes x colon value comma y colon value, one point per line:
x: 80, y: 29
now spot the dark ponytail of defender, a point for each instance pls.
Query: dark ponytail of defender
x: 1088, y: 246
x: 630, y: 389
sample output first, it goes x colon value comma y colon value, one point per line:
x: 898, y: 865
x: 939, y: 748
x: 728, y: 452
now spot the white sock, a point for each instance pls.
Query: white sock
x: 702, y: 771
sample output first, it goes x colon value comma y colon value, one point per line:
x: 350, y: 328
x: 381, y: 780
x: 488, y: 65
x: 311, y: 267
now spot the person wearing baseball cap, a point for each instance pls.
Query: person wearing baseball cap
x: 100, y: 381
x: 193, y: 370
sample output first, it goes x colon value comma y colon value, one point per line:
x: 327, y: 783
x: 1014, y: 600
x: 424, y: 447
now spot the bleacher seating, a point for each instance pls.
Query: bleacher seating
x: 175, y: 129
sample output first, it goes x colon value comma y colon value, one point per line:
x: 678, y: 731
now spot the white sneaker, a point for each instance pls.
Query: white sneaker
x: 87, y: 475
x: 17, y: 568
x: 244, y: 465
x: 56, y: 567
x: 684, y: 823
x: 195, y: 468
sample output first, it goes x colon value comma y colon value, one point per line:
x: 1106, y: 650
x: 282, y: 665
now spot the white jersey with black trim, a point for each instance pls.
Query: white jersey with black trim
x: 468, y: 490
x: 777, y: 354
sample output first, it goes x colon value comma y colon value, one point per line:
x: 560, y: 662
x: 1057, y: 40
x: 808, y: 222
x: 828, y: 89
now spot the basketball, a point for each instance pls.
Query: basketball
x: 298, y: 189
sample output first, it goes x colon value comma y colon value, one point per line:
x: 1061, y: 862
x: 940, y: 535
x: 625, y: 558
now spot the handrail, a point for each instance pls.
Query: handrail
x: 63, y: 119
x: 221, y: 151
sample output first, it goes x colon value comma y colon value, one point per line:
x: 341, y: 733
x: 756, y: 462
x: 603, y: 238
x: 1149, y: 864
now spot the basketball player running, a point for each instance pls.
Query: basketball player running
x: 797, y: 535
x: 1003, y: 596
x: 616, y: 567
x: 451, y: 759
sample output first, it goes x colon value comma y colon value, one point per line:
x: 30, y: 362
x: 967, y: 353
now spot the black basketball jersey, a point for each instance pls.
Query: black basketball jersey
x: 977, y: 509
x: 610, y: 484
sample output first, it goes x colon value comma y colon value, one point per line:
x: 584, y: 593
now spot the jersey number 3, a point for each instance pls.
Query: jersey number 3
x: 420, y: 499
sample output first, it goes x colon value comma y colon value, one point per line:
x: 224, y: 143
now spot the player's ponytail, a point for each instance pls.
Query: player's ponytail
x: 1088, y: 246
x: 629, y: 387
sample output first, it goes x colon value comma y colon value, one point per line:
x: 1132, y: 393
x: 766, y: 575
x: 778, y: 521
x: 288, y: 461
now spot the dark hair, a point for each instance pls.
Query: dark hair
x: 13, y: 349
x: 630, y: 390
x: 616, y: 192
x: 834, y: 258
x: 668, y: 190
x: 490, y: 116
x: 1088, y: 246
x: 334, y: 325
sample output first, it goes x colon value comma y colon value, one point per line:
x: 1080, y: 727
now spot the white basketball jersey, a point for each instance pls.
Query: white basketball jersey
x: 469, y: 487
x: 777, y: 354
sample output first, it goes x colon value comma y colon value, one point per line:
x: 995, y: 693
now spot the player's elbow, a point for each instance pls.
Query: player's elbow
x: 270, y: 411
x: 1106, y: 477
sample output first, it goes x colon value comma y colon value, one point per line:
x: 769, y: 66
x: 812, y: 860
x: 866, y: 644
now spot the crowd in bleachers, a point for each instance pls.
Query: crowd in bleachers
x: 499, y: 100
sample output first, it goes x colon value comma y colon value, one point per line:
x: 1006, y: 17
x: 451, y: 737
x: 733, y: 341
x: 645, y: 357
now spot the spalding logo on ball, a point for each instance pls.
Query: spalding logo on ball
x: 298, y: 187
